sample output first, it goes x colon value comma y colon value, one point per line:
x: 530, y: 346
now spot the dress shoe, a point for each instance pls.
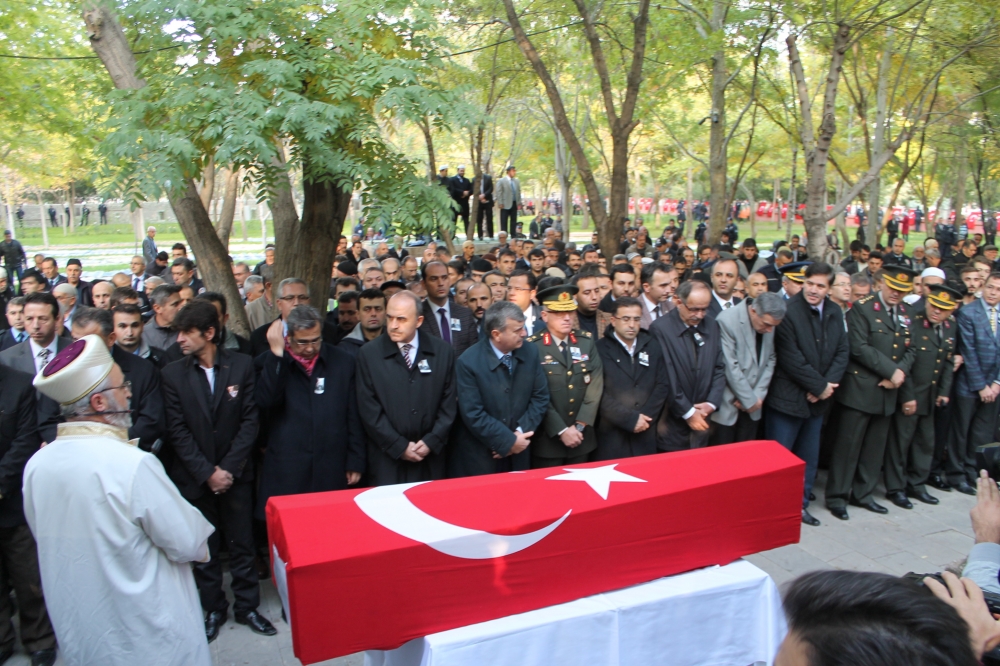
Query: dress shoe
x: 935, y: 481
x: 43, y: 657
x: 258, y: 623
x: 870, y: 505
x: 809, y: 519
x: 812, y: 497
x: 964, y: 487
x: 899, y: 499
x: 923, y: 496
x: 5, y: 655
x: 839, y: 512
x: 213, y: 621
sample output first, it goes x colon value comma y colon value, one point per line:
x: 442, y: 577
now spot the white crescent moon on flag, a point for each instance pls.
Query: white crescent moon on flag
x: 392, y: 509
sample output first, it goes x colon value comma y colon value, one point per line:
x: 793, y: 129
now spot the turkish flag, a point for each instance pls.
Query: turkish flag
x: 374, y: 568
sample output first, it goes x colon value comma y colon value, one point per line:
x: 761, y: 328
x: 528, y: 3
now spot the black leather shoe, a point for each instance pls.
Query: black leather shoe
x: 812, y: 497
x: 809, y: 519
x: 258, y: 623
x: 840, y: 512
x: 43, y: 657
x: 213, y: 621
x: 5, y: 655
x: 964, y: 487
x: 923, y: 496
x: 872, y: 506
x: 936, y: 481
x: 899, y: 499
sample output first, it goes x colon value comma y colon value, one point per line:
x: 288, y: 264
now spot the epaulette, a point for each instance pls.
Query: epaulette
x: 536, y: 336
x: 586, y: 334
x: 867, y: 298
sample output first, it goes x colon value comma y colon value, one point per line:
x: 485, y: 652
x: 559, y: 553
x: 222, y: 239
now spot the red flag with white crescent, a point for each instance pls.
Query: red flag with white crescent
x: 374, y: 568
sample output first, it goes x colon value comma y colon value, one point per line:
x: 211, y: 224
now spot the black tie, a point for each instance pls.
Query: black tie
x: 562, y: 348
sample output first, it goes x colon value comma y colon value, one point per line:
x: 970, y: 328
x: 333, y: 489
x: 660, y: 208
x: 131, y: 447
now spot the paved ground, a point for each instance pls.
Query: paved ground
x: 924, y: 540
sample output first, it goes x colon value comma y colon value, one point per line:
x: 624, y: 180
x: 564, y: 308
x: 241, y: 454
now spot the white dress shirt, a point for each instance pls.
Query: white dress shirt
x: 722, y: 302
x: 651, y: 307
x: 629, y: 349
x: 36, y: 348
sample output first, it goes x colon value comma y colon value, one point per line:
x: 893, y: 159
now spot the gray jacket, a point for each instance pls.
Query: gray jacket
x: 508, y: 193
x: 747, y: 377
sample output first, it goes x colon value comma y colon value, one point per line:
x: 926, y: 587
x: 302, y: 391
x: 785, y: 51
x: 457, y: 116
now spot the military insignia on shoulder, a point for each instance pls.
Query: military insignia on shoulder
x: 534, y: 338
x: 586, y: 334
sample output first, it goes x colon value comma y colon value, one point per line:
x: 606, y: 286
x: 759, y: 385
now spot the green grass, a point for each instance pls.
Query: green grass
x: 108, y: 234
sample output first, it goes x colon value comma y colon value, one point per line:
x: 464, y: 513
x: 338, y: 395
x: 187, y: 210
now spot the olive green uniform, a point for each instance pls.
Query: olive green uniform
x: 910, y: 449
x: 576, y: 382
x: 880, y: 344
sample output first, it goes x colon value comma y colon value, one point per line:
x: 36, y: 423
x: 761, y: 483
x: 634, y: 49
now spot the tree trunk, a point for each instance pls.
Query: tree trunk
x: 10, y: 205
x: 72, y: 206
x: 775, y: 198
x: 841, y: 219
x: 875, y: 220
x: 960, y: 181
x: 718, y: 153
x: 687, y: 202
x: 44, y: 219
x: 208, y: 182
x: 224, y: 227
x: 793, y: 204
x: 109, y: 43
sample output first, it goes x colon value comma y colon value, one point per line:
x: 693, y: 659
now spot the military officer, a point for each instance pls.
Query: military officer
x: 910, y: 450
x: 878, y: 330
x: 573, y: 368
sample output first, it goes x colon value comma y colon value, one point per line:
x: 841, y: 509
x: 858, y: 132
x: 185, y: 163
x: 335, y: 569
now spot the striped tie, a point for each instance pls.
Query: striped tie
x: 406, y: 355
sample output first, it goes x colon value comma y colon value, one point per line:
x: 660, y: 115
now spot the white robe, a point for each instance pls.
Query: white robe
x: 115, y: 539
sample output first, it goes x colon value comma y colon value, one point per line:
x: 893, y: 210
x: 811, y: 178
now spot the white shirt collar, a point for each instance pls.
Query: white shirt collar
x: 496, y: 351
x: 447, y: 310
x: 53, y: 347
x: 630, y: 350
x: 414, y: 344
x: 557, y: 340
x: 721, y: 301
x: 650, y: 306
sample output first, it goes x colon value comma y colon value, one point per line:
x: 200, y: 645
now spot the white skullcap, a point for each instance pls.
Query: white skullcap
x: 933, y: 272
x: 3, y: 273
x: 460, y: 166
x: 65, y: 288
x: 76, y: 371
x: 442, y: 167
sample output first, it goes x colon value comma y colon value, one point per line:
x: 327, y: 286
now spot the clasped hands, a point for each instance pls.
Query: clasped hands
x: 699, y: 420
x: 220, y: 481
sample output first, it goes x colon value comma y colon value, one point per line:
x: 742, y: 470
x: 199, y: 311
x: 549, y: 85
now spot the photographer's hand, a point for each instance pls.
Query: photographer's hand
x: 965, y: 597
x: 986, y: 514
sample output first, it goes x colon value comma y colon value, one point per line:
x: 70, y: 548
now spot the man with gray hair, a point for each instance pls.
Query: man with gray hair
x: 747, y: 334
x: 503, y: 396
x: 149, y: 250
x: 253, y: 288
x: 158, y: 332
x: 291, y: 292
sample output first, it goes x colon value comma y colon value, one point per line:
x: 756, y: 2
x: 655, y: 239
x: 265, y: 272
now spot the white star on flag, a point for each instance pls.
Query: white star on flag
x: 598, y: 478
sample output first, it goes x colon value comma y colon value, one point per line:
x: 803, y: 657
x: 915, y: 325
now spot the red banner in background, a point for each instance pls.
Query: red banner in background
x: 374, y: 568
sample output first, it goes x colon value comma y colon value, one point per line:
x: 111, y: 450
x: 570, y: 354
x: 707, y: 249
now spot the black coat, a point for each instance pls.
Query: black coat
x: 809, y: 354
x: 492, y: 404
x: 206, y: 434
x: 19, y: 440
x: 314, y: 434
x: 633, y: 385
x: 400, y: 405
x: 148, y: 423
x: 461, y: 339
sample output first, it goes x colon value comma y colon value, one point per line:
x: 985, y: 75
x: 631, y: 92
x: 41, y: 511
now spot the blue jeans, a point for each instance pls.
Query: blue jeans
x: 801, y: 437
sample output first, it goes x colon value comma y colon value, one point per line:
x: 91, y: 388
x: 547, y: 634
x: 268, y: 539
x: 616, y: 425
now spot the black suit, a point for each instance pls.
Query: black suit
x: 314, y: 435
x: 209, y: 429
x: 148, y: 423
x: 492, y: 403
x: 468, y: 328
x: 696, y: 373
x: 7, y: 339
x: 457, y: 186
x: 19, y: 440
x: 20, y: 358
x: 400, y: 405
x: 633, y: 385
x: 714, y: 309
x: 485, y: 207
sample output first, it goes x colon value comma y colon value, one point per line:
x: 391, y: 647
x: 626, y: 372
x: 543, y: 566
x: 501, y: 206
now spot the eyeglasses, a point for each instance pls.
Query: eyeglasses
x: 127, y: 385
x: 300, y: 298
x: 691, y: 309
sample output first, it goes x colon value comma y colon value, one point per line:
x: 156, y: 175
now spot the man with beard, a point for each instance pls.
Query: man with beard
x: 588, y: 298
x: 113, y: 507
x: 480, y: 298
x: 407, y: 396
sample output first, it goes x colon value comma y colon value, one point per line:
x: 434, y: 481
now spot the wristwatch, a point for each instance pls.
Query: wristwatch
x: 580, y: 427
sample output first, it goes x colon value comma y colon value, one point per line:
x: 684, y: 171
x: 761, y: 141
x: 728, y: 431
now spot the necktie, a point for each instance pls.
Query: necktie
x: 406, y: 355
x: 656, y: 311
x: 445, y: 326
x: 135, y: 283
x: 562, y: 348
x: 993, y: 320
x: 44, y: 356
x: 728, y: 305
x: 508, y: 362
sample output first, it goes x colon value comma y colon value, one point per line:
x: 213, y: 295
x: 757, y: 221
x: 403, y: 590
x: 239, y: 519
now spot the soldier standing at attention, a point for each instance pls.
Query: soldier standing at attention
x: 910, y: 450
x: 878, y: 330
x: 573, y: 369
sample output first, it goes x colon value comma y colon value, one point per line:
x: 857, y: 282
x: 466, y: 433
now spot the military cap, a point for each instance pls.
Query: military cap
x: 796, y: 271
x: 944, y: 297
x: 559, y: 298
x: 899, y: 278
